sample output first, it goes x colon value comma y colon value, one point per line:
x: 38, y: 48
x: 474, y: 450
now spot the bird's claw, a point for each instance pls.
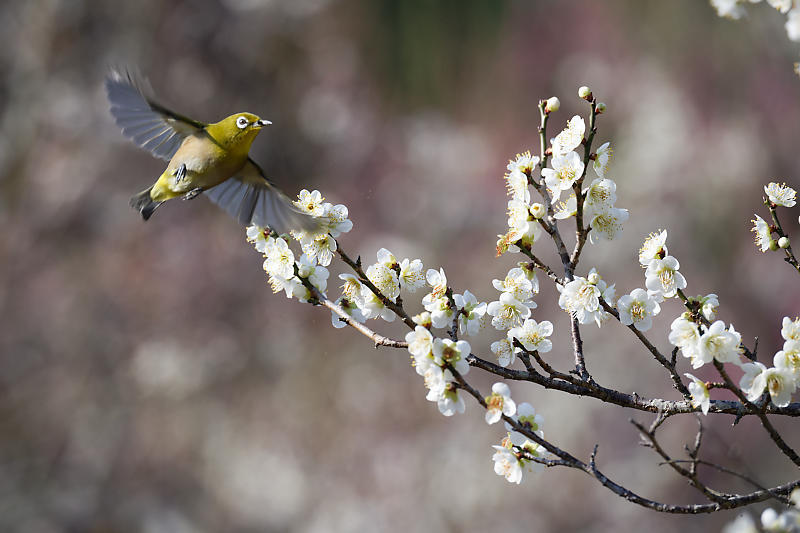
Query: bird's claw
x: 180, y: 173
x: 193, y: 193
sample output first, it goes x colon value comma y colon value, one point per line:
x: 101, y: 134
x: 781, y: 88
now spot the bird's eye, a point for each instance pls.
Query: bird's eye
x: 242, y: 122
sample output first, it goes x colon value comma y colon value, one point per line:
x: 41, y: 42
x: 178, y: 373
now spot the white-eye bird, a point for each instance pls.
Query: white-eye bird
x: 203, y: 158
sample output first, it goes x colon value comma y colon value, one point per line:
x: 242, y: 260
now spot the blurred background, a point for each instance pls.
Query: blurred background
x: 151, y: 382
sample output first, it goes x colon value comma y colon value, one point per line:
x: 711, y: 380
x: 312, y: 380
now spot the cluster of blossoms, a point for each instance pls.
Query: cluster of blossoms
x: 706, y: 343
x: 514, y: 454
x: 734, y: 9
x: 581, y: 298
x: 523, y: 225
x: 777, y: 195
x: 511, y: 313
x: 786, y: 522
x: 433, y: 359
x: 444, y: 360
x: 286, y: 273
x: 662, y: 281
x: 600, y: 196
x: 321, y: 244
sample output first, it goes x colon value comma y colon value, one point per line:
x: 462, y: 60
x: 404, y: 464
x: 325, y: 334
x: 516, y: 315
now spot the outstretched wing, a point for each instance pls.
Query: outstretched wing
x: 253, y: 200
x: 147, y: 123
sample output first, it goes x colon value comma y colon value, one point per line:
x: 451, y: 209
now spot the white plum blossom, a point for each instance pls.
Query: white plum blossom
x: 504, y: 351
x: 337, y: 221
x: 507, y: 465
x: 600, y: 197
x: 527, y: 233
x: 387, y: 259
x: 279, y: 260
x: 318, y: 246
x: 699, y: 391
x: 662, y: 278
x: 259, y: 237
x: 350, y: 308
x: 316, y: 274
x: 454, y: 353
x: 420, y: 343
x: 570, y: 137
x: 450, y: 401
x: 581, y: 298
x: 781, y: 5
x: 789, y: 359
x: 785, y: 522
x: 790, y: 329
x: 709, y: 306
x: 686, y: 335
x: 718, y: 343
x: 793, y: 24
x: 441, y: 313
x: 602, y: 159
x: 780, y: 194
x: 473, y: 313
x: 437, y: 280
x: 607, y: 225
x: 433, y: 378
x: 566, y: 209
x: 654, y: 247
x: 524, y: 162
x: 499, y: 403
x: 351, y: 288
x: 731, y: 9
x: 292, y: 286
x: 533, y: 336
x: 518, y: 216
x: 748, y: 380
x: 442, y: 391
x: 373, y: 307
x: 518, y: 284
x: 384, y: 279
x: 638, y: 309
x: 423, y: 319
x: 411, y: 277
x: 566, y: 169
x: 779, y: 382
x: 517, y: 185
x: 508, y: 311
x: 310, y: 202
x: 527, y: 416
x: 763, y: 235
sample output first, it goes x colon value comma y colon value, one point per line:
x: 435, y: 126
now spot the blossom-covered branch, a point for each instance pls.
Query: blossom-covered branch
x: 443, y: 357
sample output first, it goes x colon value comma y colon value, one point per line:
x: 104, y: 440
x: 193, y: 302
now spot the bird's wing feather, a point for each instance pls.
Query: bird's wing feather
x: 250, y: 198
x: 148, y: 124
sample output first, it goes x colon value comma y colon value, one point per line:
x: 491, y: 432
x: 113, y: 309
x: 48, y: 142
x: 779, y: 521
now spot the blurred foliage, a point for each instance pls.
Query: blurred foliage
x: 150, y: 381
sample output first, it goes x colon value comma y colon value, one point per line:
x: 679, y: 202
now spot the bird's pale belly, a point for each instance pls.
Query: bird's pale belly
x: 200, y: 173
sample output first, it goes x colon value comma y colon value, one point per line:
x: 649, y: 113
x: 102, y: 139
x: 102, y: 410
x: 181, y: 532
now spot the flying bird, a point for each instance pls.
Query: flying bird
x: 209, y: 159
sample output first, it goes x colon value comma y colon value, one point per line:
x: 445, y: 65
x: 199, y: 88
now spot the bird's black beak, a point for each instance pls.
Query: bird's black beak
x: 261, y: 123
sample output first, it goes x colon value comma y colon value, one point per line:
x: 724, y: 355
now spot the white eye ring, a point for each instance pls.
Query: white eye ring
x: 242, y: 122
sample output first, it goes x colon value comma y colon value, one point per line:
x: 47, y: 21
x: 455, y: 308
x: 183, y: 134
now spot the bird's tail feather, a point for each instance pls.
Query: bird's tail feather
x: 143, y: 203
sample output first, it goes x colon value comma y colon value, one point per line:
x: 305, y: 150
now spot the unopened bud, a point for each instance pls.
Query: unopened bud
x: 593, y: 278
x: 600, y: 108
x: 553, y: 104
x: 783, y: 242
x: 537, y: 210
x: 585, y: 93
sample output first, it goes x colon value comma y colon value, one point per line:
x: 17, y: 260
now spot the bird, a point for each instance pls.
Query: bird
x: 209, y: 159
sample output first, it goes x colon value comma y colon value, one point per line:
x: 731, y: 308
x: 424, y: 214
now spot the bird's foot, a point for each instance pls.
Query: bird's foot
x: 180, y: 173
x: 192, y: 194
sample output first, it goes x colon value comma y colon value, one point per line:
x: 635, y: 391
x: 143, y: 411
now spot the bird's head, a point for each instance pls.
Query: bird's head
x: 237, y: 130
